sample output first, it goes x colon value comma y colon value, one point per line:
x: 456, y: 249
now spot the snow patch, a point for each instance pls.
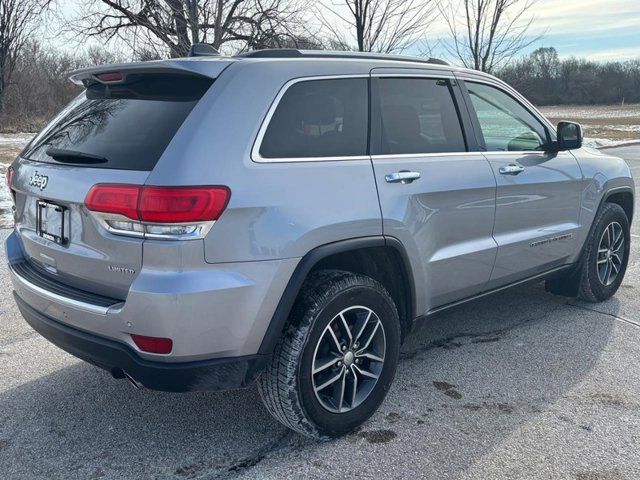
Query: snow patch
x: 605, y: 142
x: 15, y: 138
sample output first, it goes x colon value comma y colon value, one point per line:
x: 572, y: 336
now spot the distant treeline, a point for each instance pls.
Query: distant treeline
x: 40, y: 87
x: 545, y: 79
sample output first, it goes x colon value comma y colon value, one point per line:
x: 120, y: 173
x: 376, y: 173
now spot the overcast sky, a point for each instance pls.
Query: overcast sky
x: 598, y: 29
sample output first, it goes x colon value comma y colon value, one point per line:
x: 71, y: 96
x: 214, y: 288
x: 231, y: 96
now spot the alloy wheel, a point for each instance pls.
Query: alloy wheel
x: 348, y: 359
x: 610, y: 253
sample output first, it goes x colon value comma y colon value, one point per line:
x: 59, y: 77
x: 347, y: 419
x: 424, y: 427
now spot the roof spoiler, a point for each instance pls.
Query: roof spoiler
x: 87, y: 76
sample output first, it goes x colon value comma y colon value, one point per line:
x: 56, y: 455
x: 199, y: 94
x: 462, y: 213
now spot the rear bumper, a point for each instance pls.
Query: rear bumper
x: 120, y: 359
x: 217, y: 311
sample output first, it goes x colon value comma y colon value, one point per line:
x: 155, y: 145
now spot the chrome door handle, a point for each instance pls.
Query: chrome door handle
x: 402, y: 177
x: 511, y: 169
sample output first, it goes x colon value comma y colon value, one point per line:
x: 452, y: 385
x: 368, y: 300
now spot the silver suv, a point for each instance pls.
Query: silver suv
x: 287, y: 216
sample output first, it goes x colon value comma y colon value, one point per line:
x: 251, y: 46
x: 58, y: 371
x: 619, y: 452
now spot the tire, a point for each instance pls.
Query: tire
x: 589, y: 282
x: 329, y: 302
x: 592, y: 287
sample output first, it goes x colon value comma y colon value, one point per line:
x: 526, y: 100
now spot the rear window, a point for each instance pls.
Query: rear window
x: 319, y: 118
x: 419, y: 116
x: 120, y: 126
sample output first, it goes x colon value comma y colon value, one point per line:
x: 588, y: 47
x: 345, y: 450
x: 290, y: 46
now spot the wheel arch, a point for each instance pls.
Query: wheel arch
x: 622, y: 196
x: 379, y: 257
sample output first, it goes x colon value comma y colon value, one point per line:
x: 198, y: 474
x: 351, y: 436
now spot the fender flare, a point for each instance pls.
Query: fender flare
x: 614, y: 190
x: 306, y: 264
x: 603, y: 199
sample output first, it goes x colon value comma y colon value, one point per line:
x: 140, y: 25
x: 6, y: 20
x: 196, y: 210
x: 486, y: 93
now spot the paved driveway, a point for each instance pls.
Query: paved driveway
x: 519, y: 385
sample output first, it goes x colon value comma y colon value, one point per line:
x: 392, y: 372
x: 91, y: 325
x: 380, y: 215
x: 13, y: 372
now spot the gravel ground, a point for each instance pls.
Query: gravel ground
x: 520, y: 385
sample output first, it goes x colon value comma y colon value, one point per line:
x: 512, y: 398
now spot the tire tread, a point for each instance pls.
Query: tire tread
x: 277, y: 384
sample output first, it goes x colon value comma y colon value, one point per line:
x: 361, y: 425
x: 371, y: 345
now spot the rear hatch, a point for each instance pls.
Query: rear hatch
x: 112, y: 133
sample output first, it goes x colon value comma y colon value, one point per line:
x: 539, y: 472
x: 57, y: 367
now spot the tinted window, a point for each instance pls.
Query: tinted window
x: 128, y: 125
x: 418, y: 116
x: 319, y: 118
x: 506, y: 124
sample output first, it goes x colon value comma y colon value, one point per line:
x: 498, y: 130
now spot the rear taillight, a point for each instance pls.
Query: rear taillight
x: 182, y: 205
x: 118, y: 199
x: 157, y: 212
x: 9, y: 178
x: 153, y: 344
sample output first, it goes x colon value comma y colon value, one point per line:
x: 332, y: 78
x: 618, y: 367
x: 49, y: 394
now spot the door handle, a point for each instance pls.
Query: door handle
x: 511, y: 169
x: 402, y: 177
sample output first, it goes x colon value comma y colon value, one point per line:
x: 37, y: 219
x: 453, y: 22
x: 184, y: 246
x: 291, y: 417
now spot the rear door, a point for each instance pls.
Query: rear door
x: 436, y: 197
x: 111, y: 133
x: 538, y: 196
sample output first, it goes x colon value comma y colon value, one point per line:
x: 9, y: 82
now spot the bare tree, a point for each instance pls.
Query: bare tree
x: 175, y: 25
x: 487, y: 33
x: 383, y: 26
x: 17, y: 22
x: 546, y: 62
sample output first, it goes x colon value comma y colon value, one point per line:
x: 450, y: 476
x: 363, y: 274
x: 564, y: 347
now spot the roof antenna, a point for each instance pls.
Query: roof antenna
x: 202, y: 50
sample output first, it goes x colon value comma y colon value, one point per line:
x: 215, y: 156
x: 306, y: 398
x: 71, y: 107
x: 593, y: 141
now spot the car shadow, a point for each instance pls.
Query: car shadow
x: 495, y: 364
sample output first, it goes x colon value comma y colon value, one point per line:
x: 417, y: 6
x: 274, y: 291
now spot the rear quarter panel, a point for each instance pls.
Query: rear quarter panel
x: 276, y: 210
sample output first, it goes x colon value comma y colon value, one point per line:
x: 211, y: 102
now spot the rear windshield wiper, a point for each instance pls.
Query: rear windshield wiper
x: 71, y: 156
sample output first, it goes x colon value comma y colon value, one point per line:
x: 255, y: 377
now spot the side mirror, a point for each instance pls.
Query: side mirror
x: 569, y: 136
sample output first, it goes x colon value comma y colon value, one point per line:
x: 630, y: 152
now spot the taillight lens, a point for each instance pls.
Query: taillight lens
x: 9, y: 178
x: 153, y: 344
x: 112, y: 198
x: 182, y: 205
x: 158, y: 212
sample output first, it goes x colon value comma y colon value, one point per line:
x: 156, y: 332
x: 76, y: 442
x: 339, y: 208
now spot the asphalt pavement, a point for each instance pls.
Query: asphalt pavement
x: 519, y: 385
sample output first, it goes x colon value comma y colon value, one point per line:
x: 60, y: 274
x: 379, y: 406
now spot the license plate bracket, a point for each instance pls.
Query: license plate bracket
x: 52, y: 222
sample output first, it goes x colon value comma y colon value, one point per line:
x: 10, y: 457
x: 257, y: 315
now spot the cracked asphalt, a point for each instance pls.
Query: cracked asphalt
x: 519, y: 385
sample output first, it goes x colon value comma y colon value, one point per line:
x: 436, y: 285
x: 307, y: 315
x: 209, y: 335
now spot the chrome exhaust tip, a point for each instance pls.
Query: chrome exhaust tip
x: 132, y: 380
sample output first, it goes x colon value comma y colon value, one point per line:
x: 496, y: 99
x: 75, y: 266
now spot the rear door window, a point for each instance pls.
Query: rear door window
x: 125, y: 126
x: 418, y: 115
x: 319, y: 118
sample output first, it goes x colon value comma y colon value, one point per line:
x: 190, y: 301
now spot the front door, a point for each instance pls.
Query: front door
x: 436, y: 197
x: 538, y: 195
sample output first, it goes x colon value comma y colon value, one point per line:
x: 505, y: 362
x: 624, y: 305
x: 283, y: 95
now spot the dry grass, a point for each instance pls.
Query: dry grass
x: 611, y: 122
x: 9, y: 152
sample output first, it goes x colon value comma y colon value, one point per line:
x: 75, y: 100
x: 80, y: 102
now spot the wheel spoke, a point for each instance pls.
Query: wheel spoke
x: 608, y: 232
x: 617, y: 238
x: 618, y: 245
x: 335, y: 339
x: 355, y: 386
x: 331, y: 381
x: 346, y: 327
x: 341, y: 392
x: 364, y: 325
x: 325, y: 365
x: 373, y: 334
x: 370, y: 356
x: 607, y: 272
x: 366, y: 373
x: 601, y: 261
x: 614, y: 266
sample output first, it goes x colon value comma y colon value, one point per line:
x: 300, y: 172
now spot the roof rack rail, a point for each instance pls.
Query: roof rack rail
x: 272, y: 53
x: 202, y: 50
x: 294, y: 53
